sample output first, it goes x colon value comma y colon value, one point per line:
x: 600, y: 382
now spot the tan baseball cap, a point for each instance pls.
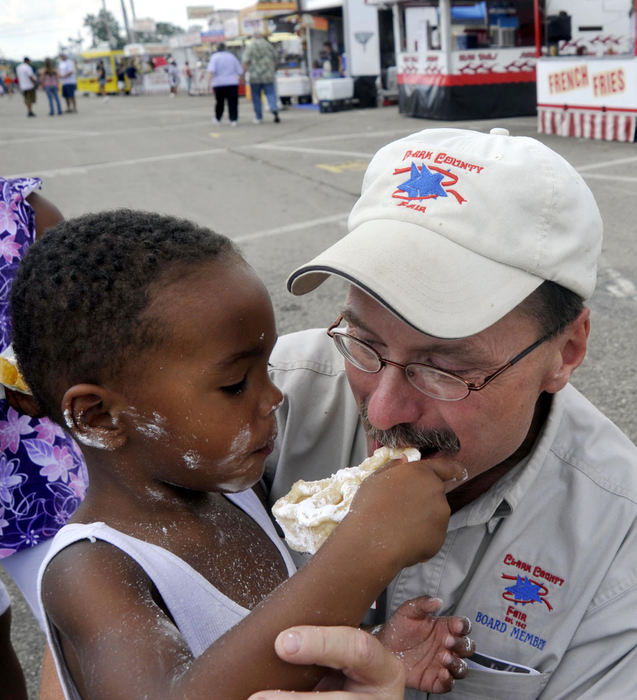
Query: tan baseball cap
x: 454, y: 228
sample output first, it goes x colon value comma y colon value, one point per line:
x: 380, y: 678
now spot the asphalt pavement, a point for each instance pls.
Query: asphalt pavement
x: 283, y: 192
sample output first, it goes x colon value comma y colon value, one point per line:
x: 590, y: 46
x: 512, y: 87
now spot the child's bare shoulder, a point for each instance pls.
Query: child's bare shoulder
x: 104, y: 607
x: 92, y: 578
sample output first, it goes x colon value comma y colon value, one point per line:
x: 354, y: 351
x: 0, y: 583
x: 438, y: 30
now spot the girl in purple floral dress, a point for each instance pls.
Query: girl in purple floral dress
x: 42, y: 474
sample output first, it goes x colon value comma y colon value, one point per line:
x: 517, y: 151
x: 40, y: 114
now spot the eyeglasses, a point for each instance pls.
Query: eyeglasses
x: 431, y: 381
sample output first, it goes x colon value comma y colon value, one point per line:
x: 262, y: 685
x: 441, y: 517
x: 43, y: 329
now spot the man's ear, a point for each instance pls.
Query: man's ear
x: 92, y: 414
x: 570, y: 351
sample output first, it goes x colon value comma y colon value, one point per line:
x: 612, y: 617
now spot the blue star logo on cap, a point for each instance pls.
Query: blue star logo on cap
x: 423, y: 183
x: 525, y: 591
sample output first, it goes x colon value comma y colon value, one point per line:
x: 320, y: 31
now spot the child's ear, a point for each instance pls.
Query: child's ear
x: 91, y: 413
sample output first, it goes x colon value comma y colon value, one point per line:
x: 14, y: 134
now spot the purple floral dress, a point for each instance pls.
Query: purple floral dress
x: 43, y: 478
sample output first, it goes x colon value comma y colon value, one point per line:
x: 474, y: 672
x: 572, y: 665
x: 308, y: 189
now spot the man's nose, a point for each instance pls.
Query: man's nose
x: 393, y: 400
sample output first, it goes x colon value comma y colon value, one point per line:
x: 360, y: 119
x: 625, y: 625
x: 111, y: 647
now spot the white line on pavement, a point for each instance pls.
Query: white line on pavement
x: 320, y: 151
x: 310, y: 223
x: 348, y: 135
x: 81, y: 169
x: 618, y: 178
x: 607, y: 164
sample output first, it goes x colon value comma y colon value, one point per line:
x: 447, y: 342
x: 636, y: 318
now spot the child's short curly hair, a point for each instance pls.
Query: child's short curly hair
x: 78, y: 299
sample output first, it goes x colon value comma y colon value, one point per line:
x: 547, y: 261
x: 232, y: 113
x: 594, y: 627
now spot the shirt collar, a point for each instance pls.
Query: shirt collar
x: 507, y: 493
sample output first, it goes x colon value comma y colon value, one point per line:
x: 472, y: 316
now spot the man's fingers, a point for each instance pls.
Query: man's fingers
x: 370, y: 670
x: 342, y: 648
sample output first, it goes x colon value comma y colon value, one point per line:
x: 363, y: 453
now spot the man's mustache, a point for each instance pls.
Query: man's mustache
x: 405, y: 435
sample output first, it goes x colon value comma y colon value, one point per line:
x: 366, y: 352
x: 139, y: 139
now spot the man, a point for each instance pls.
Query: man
x: 28, y: 83
x: 225, y: 69
x: 131, y: 74
x: 173, y: 72
x: 260, y: 58
x: 66, y: 69
x: 469, y: 257
x: 331, y: 61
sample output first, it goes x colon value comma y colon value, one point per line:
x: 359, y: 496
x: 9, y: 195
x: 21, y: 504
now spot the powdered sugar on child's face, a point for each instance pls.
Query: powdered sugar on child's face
x: 201, y: 406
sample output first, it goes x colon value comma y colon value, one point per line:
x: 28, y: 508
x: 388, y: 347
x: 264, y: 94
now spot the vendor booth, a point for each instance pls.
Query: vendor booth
x: 587, y: 70
x: 466, y: 60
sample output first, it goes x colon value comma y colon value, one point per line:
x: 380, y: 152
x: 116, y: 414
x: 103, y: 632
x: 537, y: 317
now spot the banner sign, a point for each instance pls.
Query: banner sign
x: 199, y: 11
x: 362, y: 44
x: 577, y: 81
x: 470, y: 67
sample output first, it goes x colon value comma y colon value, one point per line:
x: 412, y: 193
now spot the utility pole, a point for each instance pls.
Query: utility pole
x: 109, y: 33
x: 132, y: 9
x: 126, y: 27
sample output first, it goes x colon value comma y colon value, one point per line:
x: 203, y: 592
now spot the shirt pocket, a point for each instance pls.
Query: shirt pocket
x: 485, y: 685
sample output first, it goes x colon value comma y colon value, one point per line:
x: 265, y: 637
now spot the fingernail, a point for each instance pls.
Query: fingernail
x: 291, y: 642
x: 463, y: 476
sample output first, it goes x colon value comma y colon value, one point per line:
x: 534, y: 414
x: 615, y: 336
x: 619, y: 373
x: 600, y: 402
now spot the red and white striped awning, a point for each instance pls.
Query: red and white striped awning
x: 607, y: 125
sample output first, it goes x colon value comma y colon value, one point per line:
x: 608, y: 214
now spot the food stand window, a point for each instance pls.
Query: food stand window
x: 466, y: 60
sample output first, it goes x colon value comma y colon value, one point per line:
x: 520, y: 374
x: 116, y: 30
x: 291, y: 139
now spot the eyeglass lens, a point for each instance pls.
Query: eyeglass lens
x: 429, y: 380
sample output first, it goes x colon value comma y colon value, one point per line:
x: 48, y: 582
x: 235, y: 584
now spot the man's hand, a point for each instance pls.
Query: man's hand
x: 432, y: 648
x: 365, y: 668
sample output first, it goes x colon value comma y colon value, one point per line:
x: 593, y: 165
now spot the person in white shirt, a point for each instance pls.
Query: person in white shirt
x: 28, y: 83
x: 68, y: 80
x: 225, y: 70
x: 469, y: 257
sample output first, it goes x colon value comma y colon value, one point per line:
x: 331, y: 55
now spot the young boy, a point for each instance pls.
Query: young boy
x: 149, y: 338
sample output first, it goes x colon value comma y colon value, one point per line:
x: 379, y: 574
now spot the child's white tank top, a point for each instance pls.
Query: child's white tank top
x: 201, y: 612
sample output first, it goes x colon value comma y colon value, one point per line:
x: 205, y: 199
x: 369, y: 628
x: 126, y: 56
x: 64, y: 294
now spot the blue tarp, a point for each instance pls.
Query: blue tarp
x: 469, y: 13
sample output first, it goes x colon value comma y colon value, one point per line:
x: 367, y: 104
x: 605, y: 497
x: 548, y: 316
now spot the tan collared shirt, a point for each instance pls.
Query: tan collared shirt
x: 544, y: 563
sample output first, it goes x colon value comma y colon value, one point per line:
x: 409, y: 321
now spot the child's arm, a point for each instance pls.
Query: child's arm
x: 121, y: 644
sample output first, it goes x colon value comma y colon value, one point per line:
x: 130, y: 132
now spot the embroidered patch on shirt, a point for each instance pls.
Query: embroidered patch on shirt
x: 534, y: 585
x: 525, y: 591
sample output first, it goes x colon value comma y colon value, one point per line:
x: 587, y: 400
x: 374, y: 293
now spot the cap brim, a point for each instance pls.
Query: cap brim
x: 433, y: 284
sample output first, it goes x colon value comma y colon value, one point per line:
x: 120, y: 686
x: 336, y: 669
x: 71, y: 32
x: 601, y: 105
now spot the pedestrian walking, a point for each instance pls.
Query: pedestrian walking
x: 121, y: 78
x: 225, y: 69
x: 260, y: 58
x: 101, y: 80
x: 188, y: 74
x: 27, y: 82
x: 173, y: 73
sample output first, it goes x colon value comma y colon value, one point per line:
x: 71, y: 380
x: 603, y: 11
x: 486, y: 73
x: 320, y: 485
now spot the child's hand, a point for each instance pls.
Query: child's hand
x: 432, y: 648
x: 402, y: 509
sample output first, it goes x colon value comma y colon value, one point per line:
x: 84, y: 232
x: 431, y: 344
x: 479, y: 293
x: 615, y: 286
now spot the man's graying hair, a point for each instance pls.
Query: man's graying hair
x: 552, y: 306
